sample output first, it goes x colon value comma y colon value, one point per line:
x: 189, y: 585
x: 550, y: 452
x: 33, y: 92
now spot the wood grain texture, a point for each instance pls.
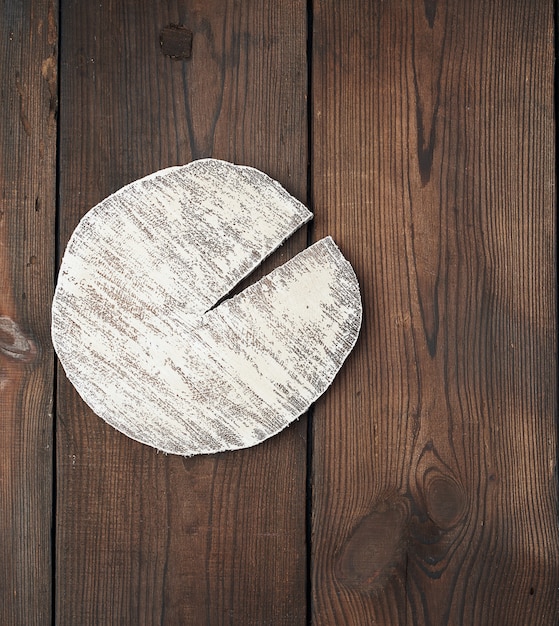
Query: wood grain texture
x: 144, y: 538
x: 28, y: 61
x: 434, y: 462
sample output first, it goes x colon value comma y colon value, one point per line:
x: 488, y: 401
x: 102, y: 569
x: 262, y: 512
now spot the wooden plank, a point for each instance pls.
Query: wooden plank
x: 435, y: 451
x: 28, y: 62
x: 142, y: 537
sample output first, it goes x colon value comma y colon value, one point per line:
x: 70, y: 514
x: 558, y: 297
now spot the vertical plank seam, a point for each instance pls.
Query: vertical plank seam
x: 308, y: 514
x: 310, y: 238
x: 56, y: 263
x: 556, y: 181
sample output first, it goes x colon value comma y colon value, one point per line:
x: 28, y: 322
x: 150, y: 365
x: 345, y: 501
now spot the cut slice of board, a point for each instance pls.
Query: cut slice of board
x: 133, y: 323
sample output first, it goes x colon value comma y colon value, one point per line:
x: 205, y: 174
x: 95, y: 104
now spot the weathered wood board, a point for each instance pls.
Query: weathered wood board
x: 28, y: 61
x: 143, y: 537
x: 434, y: 455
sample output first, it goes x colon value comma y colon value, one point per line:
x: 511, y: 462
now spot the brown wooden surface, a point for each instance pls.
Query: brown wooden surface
x: 28, y: 40
x: 434, y: 452
x: 145, y: 538
x: 433, y: 455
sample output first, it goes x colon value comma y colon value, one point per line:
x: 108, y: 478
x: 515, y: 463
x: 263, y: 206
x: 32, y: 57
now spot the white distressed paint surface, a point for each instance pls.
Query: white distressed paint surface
x: 133, y: 323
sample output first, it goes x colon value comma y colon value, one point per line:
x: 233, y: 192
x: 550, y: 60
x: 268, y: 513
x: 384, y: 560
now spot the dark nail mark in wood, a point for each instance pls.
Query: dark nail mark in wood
x: 14, y: 344
x: 176, y: 41
x: 376, y: 546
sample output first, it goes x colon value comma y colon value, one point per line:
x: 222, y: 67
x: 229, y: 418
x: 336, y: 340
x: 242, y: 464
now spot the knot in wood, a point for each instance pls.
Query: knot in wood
x: 445, y: 501
x: 376, y: 546
x: 13, y: 343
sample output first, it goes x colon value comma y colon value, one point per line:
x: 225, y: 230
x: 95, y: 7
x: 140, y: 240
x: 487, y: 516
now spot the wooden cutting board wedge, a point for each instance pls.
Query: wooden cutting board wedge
x: 136, y: 326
